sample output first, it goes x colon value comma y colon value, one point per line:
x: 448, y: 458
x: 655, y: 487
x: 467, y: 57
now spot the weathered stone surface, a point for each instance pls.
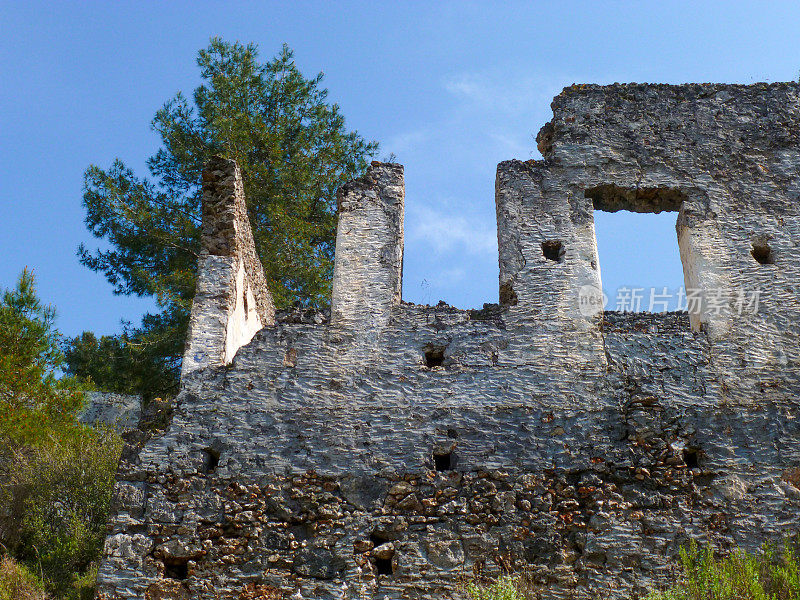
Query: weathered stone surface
x: 386, y: 453
x: 232, y: 300
x: 318, y: 562
x: 118, y: 410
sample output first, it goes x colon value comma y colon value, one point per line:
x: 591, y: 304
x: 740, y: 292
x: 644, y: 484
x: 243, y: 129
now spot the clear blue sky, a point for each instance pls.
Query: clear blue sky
x: 451, y: 88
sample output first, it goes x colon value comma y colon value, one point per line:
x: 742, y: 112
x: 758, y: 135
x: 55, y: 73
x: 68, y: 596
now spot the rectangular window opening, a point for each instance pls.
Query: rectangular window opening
x: 637, y: 246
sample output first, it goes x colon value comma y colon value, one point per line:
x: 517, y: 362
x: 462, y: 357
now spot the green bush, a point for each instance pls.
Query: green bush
x: 56, y: 475
x: 17, y: 583
x: 506, y: 587
x: 60, y: 497
x: 738, y: 576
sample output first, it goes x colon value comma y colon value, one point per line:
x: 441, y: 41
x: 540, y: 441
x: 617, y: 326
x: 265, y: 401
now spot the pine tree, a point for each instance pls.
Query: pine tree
x: 56, y: 475
x: 33, y: 398
x: 294, y: 151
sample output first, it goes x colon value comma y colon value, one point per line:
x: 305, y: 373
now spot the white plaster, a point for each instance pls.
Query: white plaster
x: 242, y: 324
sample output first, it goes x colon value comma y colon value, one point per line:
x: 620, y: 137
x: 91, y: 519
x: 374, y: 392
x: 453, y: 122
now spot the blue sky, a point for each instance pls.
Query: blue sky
x: 451, y: 88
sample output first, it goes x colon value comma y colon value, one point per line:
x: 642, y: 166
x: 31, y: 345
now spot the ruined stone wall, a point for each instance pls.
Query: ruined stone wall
x: 120, y: 411
x: 730, y: 155
x: 397, y: 448
x: 232, y: 300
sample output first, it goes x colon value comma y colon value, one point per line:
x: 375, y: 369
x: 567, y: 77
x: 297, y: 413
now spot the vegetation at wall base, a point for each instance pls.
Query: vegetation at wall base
x: 59, y: 496
x: 768, y: 575
x: 515, y: 583
x: 771, y: 574
x: 18, y: 583
x: 506, y: 587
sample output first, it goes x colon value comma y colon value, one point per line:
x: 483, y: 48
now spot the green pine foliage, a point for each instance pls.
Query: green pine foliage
x: 130, y: 363
x: 33, y: 399
x: 294, y: 150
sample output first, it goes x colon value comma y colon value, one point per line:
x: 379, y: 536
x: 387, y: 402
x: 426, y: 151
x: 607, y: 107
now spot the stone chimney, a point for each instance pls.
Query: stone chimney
x: 232, y: 300
x: 368, y: 272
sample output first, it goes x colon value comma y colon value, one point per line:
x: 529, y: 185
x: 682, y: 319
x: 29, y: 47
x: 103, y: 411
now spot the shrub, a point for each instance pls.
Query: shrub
x: 17, y: 583
x: 60, y: 496
x: 56, y: 475
x: 739, y: 576
x: 506, y: 587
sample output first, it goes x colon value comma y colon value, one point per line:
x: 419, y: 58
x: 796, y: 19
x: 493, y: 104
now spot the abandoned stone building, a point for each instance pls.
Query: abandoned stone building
x: 390, y: 450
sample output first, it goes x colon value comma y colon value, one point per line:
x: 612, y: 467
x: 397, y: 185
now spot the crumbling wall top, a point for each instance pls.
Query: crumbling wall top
x: 232, y: 300
x: 720, y: 129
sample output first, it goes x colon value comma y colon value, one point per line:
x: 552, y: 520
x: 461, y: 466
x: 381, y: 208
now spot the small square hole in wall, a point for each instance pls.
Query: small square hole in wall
x: 210, y: 460
x: 434, y: 356
x: 691, y: 457
x: 762, y: 253
x: 553, y: 250
x: 443, y: 461
x: 176, y: 568
x: 384, y: 566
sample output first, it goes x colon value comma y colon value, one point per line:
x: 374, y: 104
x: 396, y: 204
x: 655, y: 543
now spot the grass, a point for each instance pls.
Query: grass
x: 18, y: 583
x: 768, y: 575
x: 506, y: 587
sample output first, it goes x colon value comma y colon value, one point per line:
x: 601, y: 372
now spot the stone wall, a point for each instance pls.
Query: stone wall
x: 232, y: 300
x: 120, y: 411
x: 394, y: 450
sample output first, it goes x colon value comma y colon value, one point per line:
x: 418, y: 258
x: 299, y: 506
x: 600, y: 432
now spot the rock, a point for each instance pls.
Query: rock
x: 362, y: 546
x: 731, y: 487
x: 167, y: 590
x: 384, y: 551
x: 445, y: 554
x: 319, y: 563
x: 118, y: 410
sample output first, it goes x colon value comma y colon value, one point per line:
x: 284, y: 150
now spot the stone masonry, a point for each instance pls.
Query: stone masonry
x: 392, y: 449
x: 119, y: 411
